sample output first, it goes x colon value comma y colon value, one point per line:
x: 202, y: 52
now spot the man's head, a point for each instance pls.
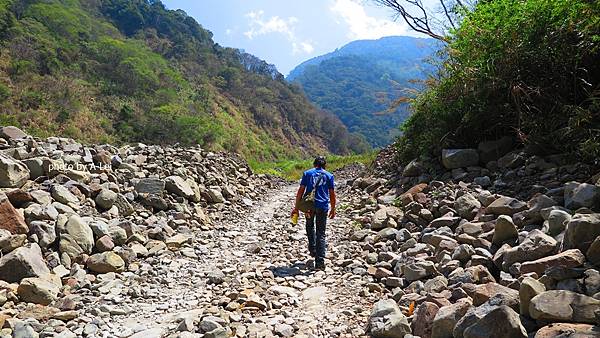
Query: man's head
x: 320, y: 162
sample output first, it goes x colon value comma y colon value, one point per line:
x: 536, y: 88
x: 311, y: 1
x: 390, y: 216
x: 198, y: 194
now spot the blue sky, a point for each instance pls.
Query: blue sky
x: 285, y: 32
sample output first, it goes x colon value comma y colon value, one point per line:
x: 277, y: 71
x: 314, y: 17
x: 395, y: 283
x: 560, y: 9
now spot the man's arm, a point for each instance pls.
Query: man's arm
x: 332, y: 201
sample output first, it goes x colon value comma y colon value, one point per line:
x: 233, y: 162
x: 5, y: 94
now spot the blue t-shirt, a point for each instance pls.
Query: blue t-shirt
x: 324, y: 181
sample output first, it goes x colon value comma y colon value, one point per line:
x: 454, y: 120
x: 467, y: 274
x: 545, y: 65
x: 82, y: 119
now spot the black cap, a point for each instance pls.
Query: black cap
x: 320, y: 161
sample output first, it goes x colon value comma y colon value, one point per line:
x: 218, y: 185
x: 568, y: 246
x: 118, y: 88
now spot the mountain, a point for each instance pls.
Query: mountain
x: 132, y: 70
x: 359, y: 81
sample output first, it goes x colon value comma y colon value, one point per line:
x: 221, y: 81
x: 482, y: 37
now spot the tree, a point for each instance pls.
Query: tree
x: 424, y: 19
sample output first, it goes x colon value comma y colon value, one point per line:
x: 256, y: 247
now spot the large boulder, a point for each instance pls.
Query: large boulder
x: 502, y: 322
x: 39, y: 290
x: 106, y: 198
x: 61, y: 194
x: 422, y: 322
x: 568, y: 330
x: 505, y: 206
x: 180, y: 187
x: 106, y: 262
x: 504, y: 230
x: 467, y: 206
x: 413, y: 169
x: 536, y: 245
x: 564, y: 306
x: 567, y: 259
x: 593, y: 252
x: 10, y: 218
x: 579, y: 195
x: 446, y: 318
x: 387, y: 321
x: 153, y: 186
x: 76, y: 236
x: 529, y: 288
x: 13, y: 173
x: 459, y: 158
x: 484, y: 292
x: 581, y: 231
x: 21, y: 263
x: 12, y: 133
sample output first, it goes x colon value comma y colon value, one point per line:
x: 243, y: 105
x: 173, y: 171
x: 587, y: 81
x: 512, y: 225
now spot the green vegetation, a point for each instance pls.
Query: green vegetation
x: 293, y: 169
x: 524, y: 68
x: 357, y: 82
x: 131, y: 70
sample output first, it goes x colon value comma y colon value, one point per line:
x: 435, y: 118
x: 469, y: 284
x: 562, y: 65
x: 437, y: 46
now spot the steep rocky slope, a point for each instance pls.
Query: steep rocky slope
x: 482, y: 245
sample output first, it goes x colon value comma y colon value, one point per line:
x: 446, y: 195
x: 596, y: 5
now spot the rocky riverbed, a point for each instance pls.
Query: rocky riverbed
x: 149, y: 241
x: 167, y: 241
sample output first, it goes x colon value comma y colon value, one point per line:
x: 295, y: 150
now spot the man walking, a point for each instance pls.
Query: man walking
x: 322, y: 182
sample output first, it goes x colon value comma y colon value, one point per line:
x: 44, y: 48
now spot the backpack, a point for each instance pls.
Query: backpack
x: 307, y: 202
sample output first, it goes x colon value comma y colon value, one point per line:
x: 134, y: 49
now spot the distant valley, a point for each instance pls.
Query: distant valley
x: 358, y: 82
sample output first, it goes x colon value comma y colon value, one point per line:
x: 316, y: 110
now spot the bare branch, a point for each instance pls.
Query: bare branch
x: 447, y: 13
x: 418, y: 18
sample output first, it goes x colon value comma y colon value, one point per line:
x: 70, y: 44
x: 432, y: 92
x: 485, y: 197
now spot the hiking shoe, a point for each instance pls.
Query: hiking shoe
x: 320, y: 265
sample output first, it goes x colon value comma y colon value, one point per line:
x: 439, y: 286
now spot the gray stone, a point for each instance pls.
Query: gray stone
x: 23, y: 262
x: 564, y: 306
x: 467, y: 206
x: 387, y: 321
x: 39, y: 290
x: 581, y: 195
x: 529, y: 288
x: 61, y: 194
x: 178, y: 186
x: 106, y: 262
x: 106, y: 198
x: 504, y: 230
x: 593, y: 252
x: 13, y: 173
x: 557, y: 221
x: 536, y: 245
x: 446, y: 318
x: 12, y: 133
x: 150, y: 186
x: 581, y: 231
x: 502, y: 322
x: 459, y: 158
x: 505, y: 206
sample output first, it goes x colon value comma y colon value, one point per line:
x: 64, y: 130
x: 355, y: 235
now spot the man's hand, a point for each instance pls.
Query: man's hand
x: 295, y: 211
x: 332, y: 213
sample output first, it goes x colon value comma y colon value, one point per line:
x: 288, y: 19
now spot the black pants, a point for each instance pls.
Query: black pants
x: 316, y: 239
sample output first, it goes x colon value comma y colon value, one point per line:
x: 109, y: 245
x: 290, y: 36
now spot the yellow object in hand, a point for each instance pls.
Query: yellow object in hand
x: 295, y: 218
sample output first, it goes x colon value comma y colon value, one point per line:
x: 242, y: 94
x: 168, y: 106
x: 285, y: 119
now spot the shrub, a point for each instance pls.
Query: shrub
x: 525, y: 68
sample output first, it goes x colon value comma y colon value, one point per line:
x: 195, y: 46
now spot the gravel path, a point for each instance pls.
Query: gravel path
x: 248, y: 274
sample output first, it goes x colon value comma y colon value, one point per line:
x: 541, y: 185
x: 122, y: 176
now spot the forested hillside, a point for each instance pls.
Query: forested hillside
x: 131, y: 70
x: 526, y: 69
x: 359, y: 81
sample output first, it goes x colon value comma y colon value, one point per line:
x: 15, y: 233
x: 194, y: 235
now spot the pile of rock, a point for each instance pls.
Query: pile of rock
x: 472, y: 257
x: 70, y: 211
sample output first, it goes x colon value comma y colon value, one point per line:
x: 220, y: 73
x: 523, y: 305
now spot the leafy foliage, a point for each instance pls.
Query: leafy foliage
x: 131, y: 70
x: 357, y: 82
x: 525, y: 68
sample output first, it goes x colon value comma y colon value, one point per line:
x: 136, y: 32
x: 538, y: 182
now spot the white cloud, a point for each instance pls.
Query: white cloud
x: 258, y: 26
x: 275, y: 24
x: 363, y: 26
x: 304, y: 47
x: 228, y: 31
